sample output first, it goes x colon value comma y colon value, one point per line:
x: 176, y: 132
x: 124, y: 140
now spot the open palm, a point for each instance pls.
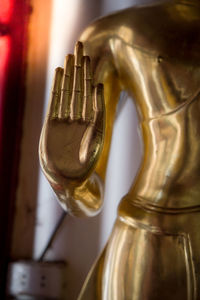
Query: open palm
x: 73, y: 132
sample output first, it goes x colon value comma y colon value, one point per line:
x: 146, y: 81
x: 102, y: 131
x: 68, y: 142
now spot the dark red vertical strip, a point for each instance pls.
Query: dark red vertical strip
x: 6, y: 8
x: 13, y: 39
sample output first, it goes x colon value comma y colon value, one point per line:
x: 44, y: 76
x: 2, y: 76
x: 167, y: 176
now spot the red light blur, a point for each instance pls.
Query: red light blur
x: 5, y: 43
x: 6, y: 7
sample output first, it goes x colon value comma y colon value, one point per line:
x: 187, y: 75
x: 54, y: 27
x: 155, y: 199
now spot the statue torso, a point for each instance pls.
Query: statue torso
x: 157, y: 54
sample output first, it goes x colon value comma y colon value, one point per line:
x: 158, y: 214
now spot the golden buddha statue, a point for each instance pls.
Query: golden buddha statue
x: 153, y: 52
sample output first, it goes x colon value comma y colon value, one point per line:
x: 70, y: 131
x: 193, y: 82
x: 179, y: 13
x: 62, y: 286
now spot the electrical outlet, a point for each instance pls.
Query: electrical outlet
x: 29, y: 279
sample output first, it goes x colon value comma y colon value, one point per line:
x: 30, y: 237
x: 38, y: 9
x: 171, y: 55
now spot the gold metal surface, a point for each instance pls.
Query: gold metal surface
x: 153, y: 52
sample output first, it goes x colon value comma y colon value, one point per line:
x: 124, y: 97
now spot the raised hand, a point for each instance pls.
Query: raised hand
x: 73, y: 132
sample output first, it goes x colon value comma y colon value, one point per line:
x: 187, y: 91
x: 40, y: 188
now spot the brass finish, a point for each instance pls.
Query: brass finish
x: 154, y: 53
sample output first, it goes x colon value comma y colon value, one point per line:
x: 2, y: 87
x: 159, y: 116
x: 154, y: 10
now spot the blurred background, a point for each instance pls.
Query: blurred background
x: 35, y: 37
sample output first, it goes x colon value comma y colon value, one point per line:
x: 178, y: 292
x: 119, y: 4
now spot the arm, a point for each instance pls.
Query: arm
x: 72, y: 153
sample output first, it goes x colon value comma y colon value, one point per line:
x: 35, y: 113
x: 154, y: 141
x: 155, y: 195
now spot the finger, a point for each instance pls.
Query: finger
x: 78, y: 53
x: 87, y: 112
x: 52, y: 110
x: 66, y: 88
x: 76, y: 104
x: 98, y: 107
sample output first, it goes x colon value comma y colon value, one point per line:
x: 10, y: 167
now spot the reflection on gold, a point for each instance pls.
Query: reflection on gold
x: 154, y: 53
